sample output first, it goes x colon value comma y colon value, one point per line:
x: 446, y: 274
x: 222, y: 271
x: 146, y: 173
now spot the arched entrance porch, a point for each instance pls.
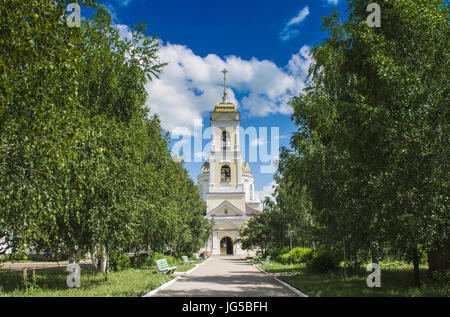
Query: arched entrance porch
x: 226, y: 246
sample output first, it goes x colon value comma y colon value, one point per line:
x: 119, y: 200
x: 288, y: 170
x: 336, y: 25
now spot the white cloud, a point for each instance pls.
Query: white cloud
x: 191, y: 85
x: 289, y: 31
x: 123, y: 2
x: 300, y: 16
x: 332, y: 2
x: 124, y: 31
x: 267, y: 191
x: 299, y: 63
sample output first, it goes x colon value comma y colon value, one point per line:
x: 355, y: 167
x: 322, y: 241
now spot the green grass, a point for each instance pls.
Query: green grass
x: 186, y: 267
x: 52, y: 283
x: 178, y: 262
x: 396, y: 280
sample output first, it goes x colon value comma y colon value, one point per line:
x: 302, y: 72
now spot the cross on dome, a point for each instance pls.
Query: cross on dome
x: 224, y: 98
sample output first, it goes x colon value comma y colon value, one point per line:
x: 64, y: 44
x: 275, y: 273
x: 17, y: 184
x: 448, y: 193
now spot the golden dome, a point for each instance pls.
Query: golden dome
x: 225, y: 107
x: 205, y: 168
x: 246, y: 167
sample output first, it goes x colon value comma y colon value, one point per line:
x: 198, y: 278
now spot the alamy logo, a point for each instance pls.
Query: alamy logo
x: 74, y: 18
x: 374, y: 19
x: 262, y: 144
x: 74, y: 277
x: 374, y: 278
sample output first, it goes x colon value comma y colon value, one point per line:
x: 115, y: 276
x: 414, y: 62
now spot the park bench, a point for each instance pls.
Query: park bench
x: 266, y: 261
x: 198, y: 257
x: 163, y: 267
x: 186, y: 260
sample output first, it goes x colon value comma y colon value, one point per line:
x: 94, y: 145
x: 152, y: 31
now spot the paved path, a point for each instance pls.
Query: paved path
x: 225, y: 276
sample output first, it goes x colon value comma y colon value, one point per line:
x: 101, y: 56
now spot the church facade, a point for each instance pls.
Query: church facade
x: 226, y: 183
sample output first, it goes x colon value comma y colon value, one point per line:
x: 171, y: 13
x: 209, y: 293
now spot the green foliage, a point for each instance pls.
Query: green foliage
x: 52, y: 283
x: 275, y: 252
x: 171, y: 260
x: 284, y: 258
x: 302, y: 255
x: 143, y: 261
x: 396, y: 282
x: 119, y: 261
x: 299, y: 255
x: 83, y: 166
x: 267, y: 230
x: 254, y: 233
x: 368, y: 165
x: 157, y: 255
x: 322, y: 261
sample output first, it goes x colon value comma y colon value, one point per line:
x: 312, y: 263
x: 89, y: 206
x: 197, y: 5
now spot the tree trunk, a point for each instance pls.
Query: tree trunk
x: 104, y: 261
x: 77, y: 256
x: 416, y: 262
x: 136, y: 256
x: 373, y: 253
x: 94, y: 260
x: 356, y: 265
x: 345, y: 258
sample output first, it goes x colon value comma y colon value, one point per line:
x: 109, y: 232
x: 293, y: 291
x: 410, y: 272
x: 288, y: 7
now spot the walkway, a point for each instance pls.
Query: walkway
x: 226, y: 276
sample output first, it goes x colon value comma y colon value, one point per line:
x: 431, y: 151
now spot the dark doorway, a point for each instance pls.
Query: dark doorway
x: 226, y: 246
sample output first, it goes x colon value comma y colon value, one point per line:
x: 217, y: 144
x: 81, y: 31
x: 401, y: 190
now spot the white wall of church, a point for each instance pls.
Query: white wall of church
x: 213, y: 202
x: 249, y: 187
x: 237, y: 191
x: 217, y: 174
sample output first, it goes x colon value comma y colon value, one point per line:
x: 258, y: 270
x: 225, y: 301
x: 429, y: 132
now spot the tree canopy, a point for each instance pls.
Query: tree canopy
x: 83, y: 165
x: 368, y: 165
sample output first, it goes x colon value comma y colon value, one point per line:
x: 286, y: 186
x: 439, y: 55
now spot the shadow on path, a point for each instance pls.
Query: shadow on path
x: 226, y: 277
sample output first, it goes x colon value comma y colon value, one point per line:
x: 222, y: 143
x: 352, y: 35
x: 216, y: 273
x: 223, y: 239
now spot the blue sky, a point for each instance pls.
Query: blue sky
x: 264, y: 45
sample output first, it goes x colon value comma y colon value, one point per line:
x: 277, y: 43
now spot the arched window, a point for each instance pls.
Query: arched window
x: 251, y: 192
x: 225, y: 174
x: 225, y: 141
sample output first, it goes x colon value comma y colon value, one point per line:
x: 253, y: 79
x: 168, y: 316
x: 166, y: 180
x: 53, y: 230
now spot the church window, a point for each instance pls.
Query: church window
x: 225, y: 141
x: 251, y: 192
x: 225, y: 174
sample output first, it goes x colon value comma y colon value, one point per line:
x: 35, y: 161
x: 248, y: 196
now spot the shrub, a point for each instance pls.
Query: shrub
x: 284, y: 258
x: 143, y: 260
x: 299, y: 255
x: 119, y: 261
x: 170, y: 259
x: 302, y: 255
x: 322, y: 262
x: 276, y: 252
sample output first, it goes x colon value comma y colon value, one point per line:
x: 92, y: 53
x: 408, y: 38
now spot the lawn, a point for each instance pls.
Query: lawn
x: 396, y: 280
x: 178, y: 262
x: 52, y: 282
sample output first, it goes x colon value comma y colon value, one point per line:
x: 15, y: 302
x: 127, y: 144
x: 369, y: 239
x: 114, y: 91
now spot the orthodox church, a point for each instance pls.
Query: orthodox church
x: 226, y: 183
